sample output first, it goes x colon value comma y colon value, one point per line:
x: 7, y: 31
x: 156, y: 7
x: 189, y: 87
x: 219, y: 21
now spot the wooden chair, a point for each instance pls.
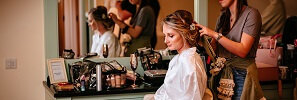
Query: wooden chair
x: 268, y: 68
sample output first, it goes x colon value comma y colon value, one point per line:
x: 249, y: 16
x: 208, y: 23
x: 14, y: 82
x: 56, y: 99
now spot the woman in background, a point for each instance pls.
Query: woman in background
x: 100, y: 23
x: 236, y: 39
x: 142, y: 27
x: 186, y: 77
x: 125, y: 12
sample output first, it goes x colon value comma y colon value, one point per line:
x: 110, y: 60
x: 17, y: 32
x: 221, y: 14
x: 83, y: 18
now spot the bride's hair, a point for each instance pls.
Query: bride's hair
x: 182, y: 21
x: 100, y: 14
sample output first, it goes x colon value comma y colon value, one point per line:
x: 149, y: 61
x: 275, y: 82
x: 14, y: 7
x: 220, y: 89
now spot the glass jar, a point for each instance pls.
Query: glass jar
x: 118, y: 80
x: 112, y: 80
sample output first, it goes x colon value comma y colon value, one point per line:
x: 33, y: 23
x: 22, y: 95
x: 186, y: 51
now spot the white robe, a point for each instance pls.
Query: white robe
x: 185, y: 79
x: 107, y: 38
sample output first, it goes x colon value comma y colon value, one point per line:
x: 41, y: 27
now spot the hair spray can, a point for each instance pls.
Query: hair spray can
x: 99, y: 78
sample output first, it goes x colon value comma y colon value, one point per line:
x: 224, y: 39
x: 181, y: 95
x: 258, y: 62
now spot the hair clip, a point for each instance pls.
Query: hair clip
x: 192, y: 27
x: 103, y: 16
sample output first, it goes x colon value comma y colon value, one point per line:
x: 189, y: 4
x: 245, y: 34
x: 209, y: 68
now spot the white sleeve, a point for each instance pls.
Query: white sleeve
x: 192, y: 90
x: 185, y: 81
x: 194, y: 80
x: 93, y: 48
x: 161, y: 94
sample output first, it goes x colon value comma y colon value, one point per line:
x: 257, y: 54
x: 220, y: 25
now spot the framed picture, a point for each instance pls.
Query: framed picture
x: 57, y: 70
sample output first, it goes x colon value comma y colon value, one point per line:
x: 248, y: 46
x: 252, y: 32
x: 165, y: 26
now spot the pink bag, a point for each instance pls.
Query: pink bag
x: 268, y: 42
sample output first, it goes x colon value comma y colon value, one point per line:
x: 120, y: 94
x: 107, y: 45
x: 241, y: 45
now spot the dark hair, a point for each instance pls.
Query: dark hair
x: 224, y: 24
x: 156, y: 7
x: 126, y: 5
x: 100, y: 14
x: 181, y: 21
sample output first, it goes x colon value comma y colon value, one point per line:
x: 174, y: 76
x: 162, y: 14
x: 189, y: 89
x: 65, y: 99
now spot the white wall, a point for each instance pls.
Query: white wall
x: 213, y: 13
x: 22, y: 36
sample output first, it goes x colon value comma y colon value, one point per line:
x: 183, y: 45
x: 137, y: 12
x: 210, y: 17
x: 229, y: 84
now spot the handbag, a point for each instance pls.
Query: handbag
x: 151, y: 60
x: 269, y: 42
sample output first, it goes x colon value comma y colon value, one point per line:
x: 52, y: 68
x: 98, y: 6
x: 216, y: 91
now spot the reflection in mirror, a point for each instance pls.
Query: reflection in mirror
x: 75, y: 34
x: 51, y: 21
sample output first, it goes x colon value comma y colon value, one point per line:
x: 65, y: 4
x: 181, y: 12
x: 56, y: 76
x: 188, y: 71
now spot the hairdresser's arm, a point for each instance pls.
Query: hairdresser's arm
x: 123, y: 14
x: 240, y: 49
x: 134, y: 32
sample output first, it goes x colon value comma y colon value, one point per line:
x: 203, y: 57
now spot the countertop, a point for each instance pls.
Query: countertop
x: 128, y: 89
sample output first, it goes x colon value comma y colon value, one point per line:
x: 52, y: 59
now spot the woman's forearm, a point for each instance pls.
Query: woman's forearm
x: 240, y: 49
x: 134, y: 32
x: 124, y: 14
x: 120, y: 23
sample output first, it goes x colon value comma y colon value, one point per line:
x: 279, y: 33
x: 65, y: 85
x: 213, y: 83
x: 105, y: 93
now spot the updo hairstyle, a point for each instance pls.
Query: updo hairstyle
x: 100, y: 14
x: 182, y: 21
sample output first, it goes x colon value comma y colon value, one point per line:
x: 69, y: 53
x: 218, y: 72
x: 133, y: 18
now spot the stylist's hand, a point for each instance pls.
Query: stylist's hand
x: 113, y: 16
x: 206, y: 31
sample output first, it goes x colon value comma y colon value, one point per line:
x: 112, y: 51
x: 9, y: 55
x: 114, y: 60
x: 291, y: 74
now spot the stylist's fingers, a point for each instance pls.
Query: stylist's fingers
x: 112, y: 16
x: 200, y: 31
x: 203, y: 31
x: 199, y: 25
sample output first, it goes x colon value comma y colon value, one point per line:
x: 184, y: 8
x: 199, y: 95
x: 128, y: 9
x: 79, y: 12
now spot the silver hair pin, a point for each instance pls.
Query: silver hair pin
x: 192, y: 27
x: 103, y: 16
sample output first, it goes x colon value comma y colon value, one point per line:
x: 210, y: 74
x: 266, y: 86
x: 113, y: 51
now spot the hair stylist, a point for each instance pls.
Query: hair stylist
x: 236, y: 38
x: 142, y: 28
